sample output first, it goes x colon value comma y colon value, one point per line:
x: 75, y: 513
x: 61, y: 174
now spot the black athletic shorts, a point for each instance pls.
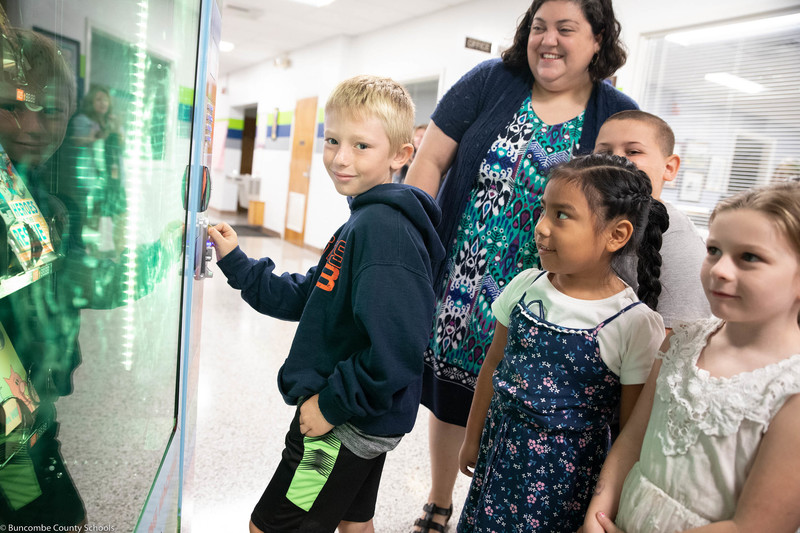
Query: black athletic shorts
x: 318, y: 483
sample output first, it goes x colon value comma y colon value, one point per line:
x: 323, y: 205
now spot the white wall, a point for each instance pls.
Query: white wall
x: 427, y: 47
x: 316, y: 70
x: 433, y: 46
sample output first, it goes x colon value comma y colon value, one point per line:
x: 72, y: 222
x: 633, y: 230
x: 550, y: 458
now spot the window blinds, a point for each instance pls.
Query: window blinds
x: 732, y: 96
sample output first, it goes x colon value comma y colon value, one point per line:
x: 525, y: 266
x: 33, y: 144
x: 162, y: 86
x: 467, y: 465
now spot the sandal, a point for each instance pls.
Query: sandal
x: 427, y: 524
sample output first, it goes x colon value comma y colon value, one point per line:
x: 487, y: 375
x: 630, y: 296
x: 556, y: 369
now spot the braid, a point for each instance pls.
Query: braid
x: 648, y: 268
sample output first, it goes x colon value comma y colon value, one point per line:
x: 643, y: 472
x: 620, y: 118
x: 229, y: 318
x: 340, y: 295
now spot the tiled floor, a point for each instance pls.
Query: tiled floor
x: 242, y: 418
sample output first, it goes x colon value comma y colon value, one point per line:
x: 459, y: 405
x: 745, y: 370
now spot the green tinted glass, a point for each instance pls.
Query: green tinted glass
x: 95, y: 140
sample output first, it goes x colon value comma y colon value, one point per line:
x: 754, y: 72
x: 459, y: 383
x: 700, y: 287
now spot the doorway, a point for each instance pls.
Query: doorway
x: 248, y: 140
x: 305, y: 122
x: 424, y: 93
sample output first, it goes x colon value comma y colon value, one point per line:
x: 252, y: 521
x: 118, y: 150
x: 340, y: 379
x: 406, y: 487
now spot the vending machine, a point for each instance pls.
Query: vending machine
x: 106, y: 127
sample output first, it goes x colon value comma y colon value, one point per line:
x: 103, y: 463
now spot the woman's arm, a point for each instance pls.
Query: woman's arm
x: 434, y: 157
x: 623, y: 454
x: 484, y: 390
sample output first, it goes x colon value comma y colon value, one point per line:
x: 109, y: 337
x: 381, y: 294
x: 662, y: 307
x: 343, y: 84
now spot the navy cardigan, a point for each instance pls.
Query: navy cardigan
x: 476, y: 110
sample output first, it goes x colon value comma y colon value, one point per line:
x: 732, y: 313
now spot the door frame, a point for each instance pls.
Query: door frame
x: 304, y: 131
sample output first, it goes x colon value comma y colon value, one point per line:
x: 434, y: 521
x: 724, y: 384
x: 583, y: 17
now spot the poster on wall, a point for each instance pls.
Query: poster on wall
x: 218, y: 145
x: 296, y: 211
x: 717, y: 181
x: 691, y: 186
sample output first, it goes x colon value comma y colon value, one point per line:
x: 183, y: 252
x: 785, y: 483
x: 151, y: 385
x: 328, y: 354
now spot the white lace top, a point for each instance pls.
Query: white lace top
x: 702, y: 437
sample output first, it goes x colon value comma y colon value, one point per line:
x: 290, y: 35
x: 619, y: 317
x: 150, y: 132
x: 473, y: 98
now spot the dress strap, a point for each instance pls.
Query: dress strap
x: 522, y: 303
x: 608, y: 320
x: 524, y: 294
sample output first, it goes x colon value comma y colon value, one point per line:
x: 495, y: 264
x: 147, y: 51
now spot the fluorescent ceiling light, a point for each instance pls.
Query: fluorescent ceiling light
x: 225, y: 46
x: 737, y: 30
x: 735, y: 82
x: 315, y: 3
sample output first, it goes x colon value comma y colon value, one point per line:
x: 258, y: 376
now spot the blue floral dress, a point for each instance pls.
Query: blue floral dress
x: 547, y: 431
x: 494, y: 242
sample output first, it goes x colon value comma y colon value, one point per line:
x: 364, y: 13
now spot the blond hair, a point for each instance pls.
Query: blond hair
x: 780, y: 201
x: 372, y: 96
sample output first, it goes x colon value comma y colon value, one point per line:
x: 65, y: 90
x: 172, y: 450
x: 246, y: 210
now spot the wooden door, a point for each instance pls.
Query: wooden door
x: 248, y: 143
x: 305, y: 126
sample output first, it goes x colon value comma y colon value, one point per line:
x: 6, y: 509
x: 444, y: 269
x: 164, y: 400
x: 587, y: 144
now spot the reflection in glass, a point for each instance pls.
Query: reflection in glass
x: 91, y: 234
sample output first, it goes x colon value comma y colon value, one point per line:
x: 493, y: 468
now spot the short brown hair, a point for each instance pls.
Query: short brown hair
x: 600, y: 15
x: 49, y: 69
x: 383, y: 98
x: 664, y: 134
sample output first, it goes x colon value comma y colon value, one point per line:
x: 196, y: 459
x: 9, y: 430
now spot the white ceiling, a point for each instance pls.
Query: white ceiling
x: 262, y: 30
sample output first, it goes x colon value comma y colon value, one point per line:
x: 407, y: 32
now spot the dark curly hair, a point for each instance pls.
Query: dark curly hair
x: 615, y: 188
x: 600, y: 15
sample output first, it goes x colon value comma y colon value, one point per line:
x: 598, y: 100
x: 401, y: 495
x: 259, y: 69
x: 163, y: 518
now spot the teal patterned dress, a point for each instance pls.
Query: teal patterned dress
x: 494, y: 242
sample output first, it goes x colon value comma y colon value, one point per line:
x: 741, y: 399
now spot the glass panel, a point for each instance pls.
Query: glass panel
x: 95, y: 118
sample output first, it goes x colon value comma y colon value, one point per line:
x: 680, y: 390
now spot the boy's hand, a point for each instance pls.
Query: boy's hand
x: 225, y: 239
x: 312, y: 423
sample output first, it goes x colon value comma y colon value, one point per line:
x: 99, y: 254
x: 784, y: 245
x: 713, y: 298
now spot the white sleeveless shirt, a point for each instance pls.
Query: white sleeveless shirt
x: 702, y: 438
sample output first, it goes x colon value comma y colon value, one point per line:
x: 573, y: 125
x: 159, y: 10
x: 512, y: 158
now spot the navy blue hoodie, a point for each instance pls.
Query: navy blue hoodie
x: 365, y: 311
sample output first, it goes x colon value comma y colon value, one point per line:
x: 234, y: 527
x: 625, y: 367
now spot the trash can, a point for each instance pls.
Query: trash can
x: 248, y: 188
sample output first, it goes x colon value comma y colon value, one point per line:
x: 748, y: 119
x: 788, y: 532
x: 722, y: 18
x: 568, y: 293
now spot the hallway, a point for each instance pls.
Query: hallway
x: 242, y: 418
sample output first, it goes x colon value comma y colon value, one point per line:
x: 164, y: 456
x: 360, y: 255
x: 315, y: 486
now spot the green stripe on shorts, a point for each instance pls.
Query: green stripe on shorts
x: 319, y: 456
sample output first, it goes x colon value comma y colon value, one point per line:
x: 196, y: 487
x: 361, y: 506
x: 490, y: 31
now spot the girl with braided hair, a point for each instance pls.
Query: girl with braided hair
x: 572, y: 343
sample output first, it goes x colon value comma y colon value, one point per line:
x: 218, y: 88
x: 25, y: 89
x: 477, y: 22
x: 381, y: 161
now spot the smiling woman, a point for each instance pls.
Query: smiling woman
x: 495, y: 135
